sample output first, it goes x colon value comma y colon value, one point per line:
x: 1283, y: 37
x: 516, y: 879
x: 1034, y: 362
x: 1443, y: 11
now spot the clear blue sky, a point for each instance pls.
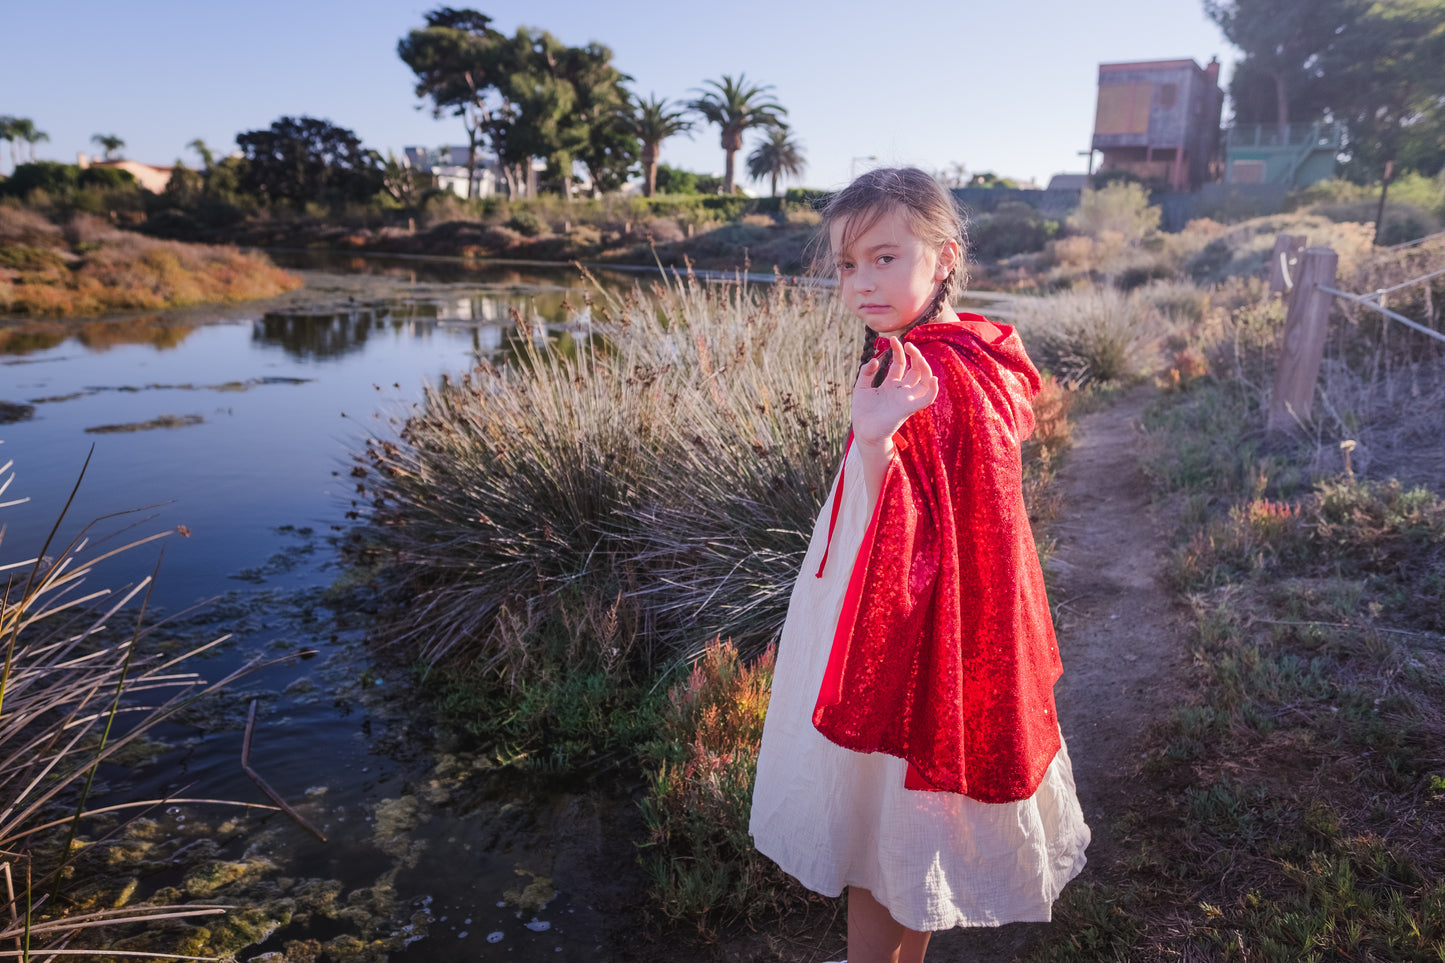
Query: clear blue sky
x: 1007, y: 87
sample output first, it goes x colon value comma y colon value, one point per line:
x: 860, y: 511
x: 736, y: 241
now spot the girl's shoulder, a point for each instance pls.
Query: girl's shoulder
x: 963, y: 330
x: 980, y: 365
x: 984, y: 346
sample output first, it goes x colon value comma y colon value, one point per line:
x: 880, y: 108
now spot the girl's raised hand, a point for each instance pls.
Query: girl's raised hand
x: 908, y: 386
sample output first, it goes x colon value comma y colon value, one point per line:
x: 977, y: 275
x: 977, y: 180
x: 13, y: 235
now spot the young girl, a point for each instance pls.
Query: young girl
x: 911, y: 751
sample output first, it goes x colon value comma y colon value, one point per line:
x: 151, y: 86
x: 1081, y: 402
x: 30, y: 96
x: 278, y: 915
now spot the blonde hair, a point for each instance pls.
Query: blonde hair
x: 929, y: 209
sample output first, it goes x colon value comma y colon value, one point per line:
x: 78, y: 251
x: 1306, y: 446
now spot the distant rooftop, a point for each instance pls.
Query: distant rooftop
x: 1068, y: 182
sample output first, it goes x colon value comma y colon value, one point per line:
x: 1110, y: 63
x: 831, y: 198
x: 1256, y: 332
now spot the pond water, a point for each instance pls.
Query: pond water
x: 236, y: 424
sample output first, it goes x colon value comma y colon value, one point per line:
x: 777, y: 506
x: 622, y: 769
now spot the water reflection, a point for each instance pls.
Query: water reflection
x: 336, y: 313
x: 33, y: 336
x: 316, y: 336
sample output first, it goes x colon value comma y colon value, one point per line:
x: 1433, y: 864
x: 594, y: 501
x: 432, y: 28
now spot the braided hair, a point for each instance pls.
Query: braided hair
x: 870, y: 337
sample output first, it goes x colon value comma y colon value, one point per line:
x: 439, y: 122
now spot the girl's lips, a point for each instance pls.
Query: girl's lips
x: 873, y: 308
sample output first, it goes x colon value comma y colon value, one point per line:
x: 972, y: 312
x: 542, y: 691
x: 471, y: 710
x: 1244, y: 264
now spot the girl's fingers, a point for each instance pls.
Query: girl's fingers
x: 900, y: 362
x: 916, y: 360
x: 918, y: 369
x: 866, y: 373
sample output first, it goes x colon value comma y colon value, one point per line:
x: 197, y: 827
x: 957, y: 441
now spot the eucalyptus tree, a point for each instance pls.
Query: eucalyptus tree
x: 610, y: 149
x: 542, y: 116
x: 109, y: 143
x: 456, y: 59
x: 561, y: 104
x: 735, y: 108
x: 776, y: 155
x: 1386, y: 80
x: 1282, y: 41
x: 653, y: 121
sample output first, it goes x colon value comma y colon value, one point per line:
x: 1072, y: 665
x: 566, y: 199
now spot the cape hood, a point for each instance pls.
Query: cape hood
x: 944, y: 653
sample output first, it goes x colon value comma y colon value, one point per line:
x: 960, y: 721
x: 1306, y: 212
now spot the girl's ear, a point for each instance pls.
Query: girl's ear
x: 947, y: 259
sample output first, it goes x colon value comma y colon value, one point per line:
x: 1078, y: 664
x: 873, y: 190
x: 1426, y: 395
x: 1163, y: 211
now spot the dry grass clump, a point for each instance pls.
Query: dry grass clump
x: 1090, y: 334
x: 70, y: 672
x: 21, y: 226
x: 676, y: 459
x: 91, y: 268
x: 1206, y: 252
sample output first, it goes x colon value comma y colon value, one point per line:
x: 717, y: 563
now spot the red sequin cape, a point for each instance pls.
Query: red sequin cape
x: 944, y: 653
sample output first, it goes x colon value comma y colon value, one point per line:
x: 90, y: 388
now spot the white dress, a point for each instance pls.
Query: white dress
x: 831, y: 817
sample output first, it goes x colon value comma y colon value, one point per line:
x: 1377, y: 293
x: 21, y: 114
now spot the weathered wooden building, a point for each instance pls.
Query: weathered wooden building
x: 1159, y: 120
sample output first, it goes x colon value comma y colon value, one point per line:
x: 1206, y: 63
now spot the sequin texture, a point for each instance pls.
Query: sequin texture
x: 944, y: 653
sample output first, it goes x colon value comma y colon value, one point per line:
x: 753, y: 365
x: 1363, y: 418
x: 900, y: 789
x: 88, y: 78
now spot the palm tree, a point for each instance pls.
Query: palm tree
x: 736, y: 107
x: 8, y: 133
x: 653, y: 122
x: 24, y: 131
x: 208, y: 156
x: 108, y: 143
x: 779, y: 154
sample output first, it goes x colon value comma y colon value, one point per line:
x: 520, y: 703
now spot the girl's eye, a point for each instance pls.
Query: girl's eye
x: 845, y: 265
x: 886, y: 258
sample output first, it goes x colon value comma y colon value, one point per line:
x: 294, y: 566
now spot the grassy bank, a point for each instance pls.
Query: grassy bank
x: 87, y: 267
x: 1292, y: 808
x: 710, y: 231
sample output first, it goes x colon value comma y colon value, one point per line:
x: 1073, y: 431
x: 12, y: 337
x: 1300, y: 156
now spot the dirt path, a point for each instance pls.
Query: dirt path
x: 1122, y: 643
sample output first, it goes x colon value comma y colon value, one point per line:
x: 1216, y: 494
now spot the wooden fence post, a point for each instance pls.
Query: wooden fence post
x: 1304, y: 339
x: 1286, y: 255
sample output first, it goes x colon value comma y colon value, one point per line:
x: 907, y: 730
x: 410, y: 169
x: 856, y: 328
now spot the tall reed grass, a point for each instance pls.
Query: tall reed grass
x: 668, y: 469
x: 76, y: 688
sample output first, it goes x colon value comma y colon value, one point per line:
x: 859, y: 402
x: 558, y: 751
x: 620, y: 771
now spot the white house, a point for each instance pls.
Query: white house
x: 148, y: 176
x: 449, y: 166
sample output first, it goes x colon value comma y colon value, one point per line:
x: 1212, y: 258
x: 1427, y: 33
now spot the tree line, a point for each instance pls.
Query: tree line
x: 520, y: 97
x: 529, y: 96
x: 1377, y: 66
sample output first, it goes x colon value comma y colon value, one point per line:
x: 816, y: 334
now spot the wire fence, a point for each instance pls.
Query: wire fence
x: 1372, y: 301
x: 1374, y: 378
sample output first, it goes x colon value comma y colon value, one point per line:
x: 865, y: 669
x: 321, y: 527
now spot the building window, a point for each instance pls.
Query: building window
x: 1168, y: 95
x: 1123, y: 109
x: 1246, y: 172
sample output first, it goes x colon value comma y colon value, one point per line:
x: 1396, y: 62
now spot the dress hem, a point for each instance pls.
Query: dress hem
x: 1042, y: 913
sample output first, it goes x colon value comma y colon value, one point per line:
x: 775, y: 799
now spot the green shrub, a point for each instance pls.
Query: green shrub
x: 728, y: 208
x: 1121, y: 208
x: 812, y: 198
x: 106, y: 178
x: 51, y: 177
x: 709, y: 184
x: 675, y: 180
x: 701, y: 769
x: 526, y: 223
x: 1012, y: 227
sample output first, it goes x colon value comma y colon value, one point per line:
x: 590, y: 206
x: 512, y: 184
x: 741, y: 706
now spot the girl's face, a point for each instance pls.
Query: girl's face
x: 888, y: 276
